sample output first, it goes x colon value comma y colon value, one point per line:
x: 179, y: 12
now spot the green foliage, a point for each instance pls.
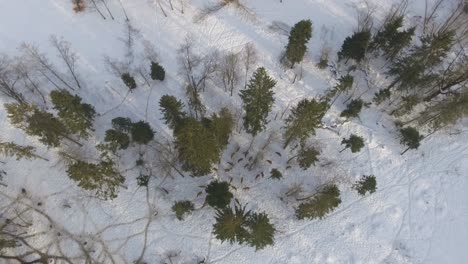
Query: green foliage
x: 391, y: 39
x: 354, y: 142
x: 276, y: 174
x: 407, y: 104
x: 381, y: 96
x: 141, y: 132
x: 102, y: 178
x: 117, y: 140
x: 232, y: 225
x: 222, y: 125
x: 129, y: 80
x: 355, y: 47
x: 262, y: 232
x: 304, y: 119
x: 257, y: 100
x: 218, y: 194
x: 322, y: 64
x: 122, y: 124
x: 367, y: 184
x: 78, y: 117
x: 197, y: 147
x: 171, y: 109
x: 307, y: 157
x: 321, y: 204
x: 410, y: 137
x: 353, y: 109
x: 182, y: 208
x: 446, y: 112
x: 300, y: 34
x: 345, y: 83
x: 11, y: 149
x: 157, y: 72
x: 143, y: 180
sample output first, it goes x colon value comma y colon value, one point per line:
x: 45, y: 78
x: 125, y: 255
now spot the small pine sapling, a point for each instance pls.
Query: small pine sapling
x: 321, y: 204
x: 355, y: 46
x: 218, y: 194
x: 172, y: 110
x: 352, y: 109
x: 182, y: 209
x: 122, y: 124
x: 116, y: 140
x: 262, y: 232
x: 381, y: 96
x: 129, y: 80
x: 141, y: 132
x: 367, y: 184
x: 157, y: 71
x: 411, y: 138
x: 354, y: 142
x: 232, y: 225
x: 143, y: 180
x: 307, y: 157
x: 276, y: 174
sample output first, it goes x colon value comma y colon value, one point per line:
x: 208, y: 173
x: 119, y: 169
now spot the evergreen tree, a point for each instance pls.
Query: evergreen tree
x: 182, y: 208
x: 232, y: 225
x: 300, y: 34
x: 367, y: 184
x: 157, y: 72
x: 171, y: 109
x: 307, y: 157
x: 258, y: 100
x: 276, y: 174
x: 355, y: 143
x: 446, y: 112
x: 38, y: 123
x: 101, y: 178
x: 116, y: 140
x: 11, y: 149
x: 129, y: 80
x: 222, y: 125
x: 122, y: 124
x: 218, y: 194
x: 411, y: 138
x: 391, y: 39
x: 78, y: 117
x: 381, y: 96
x: 304, y: 119
x: 197, y: 147
x: 321, y: 204
x: 352, y: 109
x: 355, y: 47
x: 142, y: 133
x: 345, y: 83
x: 262, y: 232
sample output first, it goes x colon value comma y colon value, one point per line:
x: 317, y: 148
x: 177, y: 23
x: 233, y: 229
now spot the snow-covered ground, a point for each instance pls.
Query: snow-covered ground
x: 417, y: 215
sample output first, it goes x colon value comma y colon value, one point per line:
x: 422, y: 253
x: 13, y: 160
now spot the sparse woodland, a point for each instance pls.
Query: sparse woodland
x: 217, y: 152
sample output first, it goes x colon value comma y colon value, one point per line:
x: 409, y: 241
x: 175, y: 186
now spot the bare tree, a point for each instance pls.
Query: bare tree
x: 229, y: 71
x: 365, y: 17
x: 213, y: 8
x: 9, y: 80
x: 93, y: 2
x: 68, y: 56
x: 128, y: 38
x: 107, y: 8
x: 249, y: 58
x: 326, y: 35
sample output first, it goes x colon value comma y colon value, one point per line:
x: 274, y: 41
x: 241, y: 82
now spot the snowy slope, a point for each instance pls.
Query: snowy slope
x: 417, y: 215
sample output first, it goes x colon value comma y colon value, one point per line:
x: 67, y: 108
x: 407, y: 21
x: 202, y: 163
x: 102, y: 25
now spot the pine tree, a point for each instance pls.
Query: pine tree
x: 78, y: 117
x: 381, y: 96
x: 300, y: 34
x: 367, y: 184
x: 222, y: 125
x: 171, y: 109
x: 129, y: 80
x: 101, y: 178
x: 262, y: 232
x: 391, y: 39
x: 141, y: 132
x: 232, y: 225
x: 411, y: 138
x: 446, y: 112
x: 352, y: 109
x: 197, y: 147
x: 38, y: 123
x: 355, y: 143
x: 345, y: 83
x: 157, y: 72
x: 258, y: 100
x: 11, y: 149
x: 307, y: 157
x: 182, y: 208
x: 276, y: 174
x: 355, y: 47
x: 304, y: 119
x: 321, y: 204
x: 116, y: 140
x: 218, y: 194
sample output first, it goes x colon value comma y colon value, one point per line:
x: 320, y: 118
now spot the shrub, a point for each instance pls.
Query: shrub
x: 182, y: 208
x: 157, y: 72
x: 218, y: 194
x: 276, y: 174
x: 367, y: 184
x: 142, y: 132
x: 129, y: 80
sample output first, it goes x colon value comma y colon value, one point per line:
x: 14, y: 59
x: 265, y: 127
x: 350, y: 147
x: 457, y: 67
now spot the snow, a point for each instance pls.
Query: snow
x: 417, y: 215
